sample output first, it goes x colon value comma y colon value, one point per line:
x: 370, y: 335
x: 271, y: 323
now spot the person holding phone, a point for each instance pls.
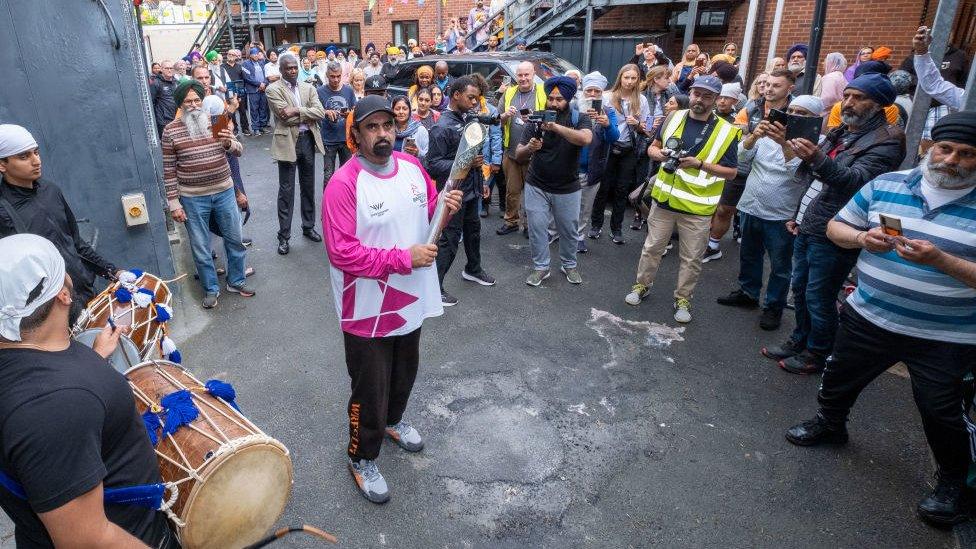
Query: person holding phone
x: 913, y: 304
x: 593, y: 157
x: 683, y: 69
x: 337, y: 99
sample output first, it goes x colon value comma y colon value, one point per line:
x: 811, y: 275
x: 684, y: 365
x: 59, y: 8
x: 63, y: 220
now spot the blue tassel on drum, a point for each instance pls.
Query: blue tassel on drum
x: 169, y: 350
x: 224, y: 391
x: 163, y: 313
x: 137, y: 272
x: 123, y: 295
x: 151, y: 421
x: 180, y: 410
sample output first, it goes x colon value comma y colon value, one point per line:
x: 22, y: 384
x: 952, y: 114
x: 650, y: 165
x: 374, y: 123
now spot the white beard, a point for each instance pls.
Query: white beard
x: 942, y: 180
x: 197, y: 123
x: 795, y: 67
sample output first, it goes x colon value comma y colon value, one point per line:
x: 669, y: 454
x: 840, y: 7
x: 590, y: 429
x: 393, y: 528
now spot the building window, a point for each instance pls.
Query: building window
x: 306, y: 34
x: 349, y: 33
x: 405, y: 30
x: 710, y: 21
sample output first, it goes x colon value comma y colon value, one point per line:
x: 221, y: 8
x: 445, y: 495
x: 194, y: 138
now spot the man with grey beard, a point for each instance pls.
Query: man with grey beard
x: 913, y: 304
x: 863, y: 147
x: 796, y: 63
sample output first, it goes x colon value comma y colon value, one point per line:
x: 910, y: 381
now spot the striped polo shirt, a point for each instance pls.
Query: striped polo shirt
x: 905, y: 297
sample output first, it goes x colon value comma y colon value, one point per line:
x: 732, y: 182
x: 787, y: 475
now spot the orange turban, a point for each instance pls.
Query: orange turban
x: 882, y: 53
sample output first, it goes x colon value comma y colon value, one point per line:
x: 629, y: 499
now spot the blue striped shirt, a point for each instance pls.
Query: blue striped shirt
x: 905, y: 297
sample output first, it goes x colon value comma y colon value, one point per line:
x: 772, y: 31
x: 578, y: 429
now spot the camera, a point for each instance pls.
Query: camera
x: 673, y: 158
x: 536, y: 119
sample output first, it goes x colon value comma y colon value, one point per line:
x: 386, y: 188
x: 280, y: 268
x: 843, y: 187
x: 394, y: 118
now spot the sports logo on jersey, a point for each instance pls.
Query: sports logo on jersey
x: 419, y: 197
x: 378, y: 209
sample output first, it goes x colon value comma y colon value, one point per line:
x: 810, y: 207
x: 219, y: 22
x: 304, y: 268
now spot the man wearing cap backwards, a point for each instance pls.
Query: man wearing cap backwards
x: 376, y: 214
x: 863, y: 147
x: 688, y: 197
x: 255, y: 83
x: 199, y: 187
x: 768, y: 201
x: 29, y: 204
x: 68, y: 421
x: 298, y: 114
x: 913, y: 304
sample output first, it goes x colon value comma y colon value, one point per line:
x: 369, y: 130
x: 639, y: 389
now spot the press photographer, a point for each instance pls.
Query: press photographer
x: 445, y: 138
x: 552, y: 148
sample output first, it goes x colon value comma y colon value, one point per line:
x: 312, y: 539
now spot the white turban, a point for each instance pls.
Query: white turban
x: 29, y: 262
x: 15, y: 139
x: 731, y: 90
x: 811, y: 103
x: 595, y: 80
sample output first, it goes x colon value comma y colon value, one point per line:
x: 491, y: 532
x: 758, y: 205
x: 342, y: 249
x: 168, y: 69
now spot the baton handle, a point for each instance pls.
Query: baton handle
x: 440, y: 217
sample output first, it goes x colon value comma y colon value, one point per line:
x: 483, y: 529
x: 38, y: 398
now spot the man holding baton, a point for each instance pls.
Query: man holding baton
x: 376, y: 215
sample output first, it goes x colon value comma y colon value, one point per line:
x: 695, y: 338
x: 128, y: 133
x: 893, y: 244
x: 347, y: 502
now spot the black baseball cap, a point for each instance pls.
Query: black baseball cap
x: 375, y: 83
x: 371, y: 104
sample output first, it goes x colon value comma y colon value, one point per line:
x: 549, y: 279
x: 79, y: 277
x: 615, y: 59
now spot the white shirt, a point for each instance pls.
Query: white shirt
x: 932, y: 83
x: 937, y: 196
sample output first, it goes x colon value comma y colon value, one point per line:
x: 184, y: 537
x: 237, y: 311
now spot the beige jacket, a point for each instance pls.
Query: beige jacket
x: 286, y: 131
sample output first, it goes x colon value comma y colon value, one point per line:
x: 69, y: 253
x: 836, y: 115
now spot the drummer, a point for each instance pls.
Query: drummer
x: 29, y: 204
x: 68, y: 421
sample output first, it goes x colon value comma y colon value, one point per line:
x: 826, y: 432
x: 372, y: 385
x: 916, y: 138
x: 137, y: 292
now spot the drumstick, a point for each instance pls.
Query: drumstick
x: 282, y: 532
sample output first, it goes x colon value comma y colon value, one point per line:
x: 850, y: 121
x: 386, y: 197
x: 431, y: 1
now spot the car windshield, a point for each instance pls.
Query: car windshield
x: 546, y: 67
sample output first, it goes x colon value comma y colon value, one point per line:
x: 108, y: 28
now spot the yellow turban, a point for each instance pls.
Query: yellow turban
x: 392, y: 50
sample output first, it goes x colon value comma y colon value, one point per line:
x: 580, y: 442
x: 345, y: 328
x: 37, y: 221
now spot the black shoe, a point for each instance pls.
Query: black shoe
x: 738, y: 298
x: 805, y: 363
x: 638, y: 224
x: 506, y: 229
x: 247, y: 242
x: 581, y: 247
x: 816, y: 431
x: 484, y: 213
x: 447, y: 299
x: 948, y: 504
x: 485, y: 204
x: 594, y: 232
x: 779, y: 352
x: 617, y: 238
x: 771, y: 319
x: 282, y: 246
x: 312, y: 235
x: 711, y: 254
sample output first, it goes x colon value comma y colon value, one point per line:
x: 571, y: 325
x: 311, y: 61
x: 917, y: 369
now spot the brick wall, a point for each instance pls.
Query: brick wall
x: 333, y: 12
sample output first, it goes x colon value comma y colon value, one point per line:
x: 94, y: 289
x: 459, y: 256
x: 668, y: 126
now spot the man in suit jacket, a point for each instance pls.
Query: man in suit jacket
x: 297, y: 112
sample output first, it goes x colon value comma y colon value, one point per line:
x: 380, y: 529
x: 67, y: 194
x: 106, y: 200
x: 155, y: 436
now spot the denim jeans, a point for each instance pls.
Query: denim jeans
x: 819, y: 269
x: 223, y: 207
x: 587, y: 197
x: 760, y: 236
x: 564, y: 210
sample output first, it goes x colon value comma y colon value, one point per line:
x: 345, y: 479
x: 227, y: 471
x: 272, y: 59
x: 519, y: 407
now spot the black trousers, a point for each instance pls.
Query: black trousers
x: 382, y: 371
x: 618, y: 180
x: 863, y: 351
x: 242, y: 112
x: 305, y: 163
x: 464, y: 222
x: 329, y: 164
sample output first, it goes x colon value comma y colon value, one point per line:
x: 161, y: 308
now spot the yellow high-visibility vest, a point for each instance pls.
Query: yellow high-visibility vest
x: 540, y: 104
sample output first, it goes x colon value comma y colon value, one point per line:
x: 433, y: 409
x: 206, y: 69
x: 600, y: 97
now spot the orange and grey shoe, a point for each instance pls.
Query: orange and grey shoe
x: 405, y: 436
x: 368, y: 479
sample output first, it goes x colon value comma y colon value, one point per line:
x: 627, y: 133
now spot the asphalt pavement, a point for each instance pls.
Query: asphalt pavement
x: 559, y: 416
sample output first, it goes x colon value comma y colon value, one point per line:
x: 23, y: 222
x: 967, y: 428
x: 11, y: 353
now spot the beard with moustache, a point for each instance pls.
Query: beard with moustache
x: 197, y: 123
x: 796, y: 67
x: 940, y: 174
x: 853, y: 120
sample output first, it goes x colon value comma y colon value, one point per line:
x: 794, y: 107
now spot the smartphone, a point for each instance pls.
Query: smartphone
x: 506, y: 81
x: 776, y: 115
x: 891, y: 225
x: 219, y: 124
x: 409, y: 142
x: 596, y: 104
x: 699, y: 62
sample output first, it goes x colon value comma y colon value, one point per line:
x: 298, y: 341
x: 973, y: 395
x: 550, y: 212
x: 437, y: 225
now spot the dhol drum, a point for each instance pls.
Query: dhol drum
x: 233, y: 479
x: 126, y: 355
x: 137, y: 312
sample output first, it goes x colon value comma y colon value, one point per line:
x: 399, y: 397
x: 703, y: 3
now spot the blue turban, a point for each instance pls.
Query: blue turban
x: 868, y: 67
x: 802, y: 48
x: 877, y: 86
x: 567, y: 86
x: 254, y: 51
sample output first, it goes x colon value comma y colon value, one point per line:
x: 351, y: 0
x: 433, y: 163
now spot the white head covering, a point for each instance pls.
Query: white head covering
x: 15, y: 139
x: 594, y: 80
x: 811, y: 103
x: 732, y: 90
x: 29, y: 261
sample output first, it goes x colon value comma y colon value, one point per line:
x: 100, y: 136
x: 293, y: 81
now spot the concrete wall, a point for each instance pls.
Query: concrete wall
x: 169, y: 41
x: 92, y: 120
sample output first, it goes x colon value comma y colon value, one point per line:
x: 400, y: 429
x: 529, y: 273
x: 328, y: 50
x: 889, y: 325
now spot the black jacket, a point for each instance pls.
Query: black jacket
x: 164, y: 106
x: 44, y: 212
x: 445, y: 136
x: 877, y: 148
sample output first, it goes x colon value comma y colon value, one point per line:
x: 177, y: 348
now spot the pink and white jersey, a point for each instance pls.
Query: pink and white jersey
x: 370, y: 221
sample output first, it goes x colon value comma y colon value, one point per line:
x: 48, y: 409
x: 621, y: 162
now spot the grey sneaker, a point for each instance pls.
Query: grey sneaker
x: 368, y: 479
x: 405, y: 436
x: 537, y: 277
x: 572, y: 275
x: 210, y: 300
x: 681, y: 310
x: 241, y: 288
x: 637, y: 294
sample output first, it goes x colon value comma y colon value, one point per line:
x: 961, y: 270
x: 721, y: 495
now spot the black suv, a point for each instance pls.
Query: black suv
x: 493, y: 66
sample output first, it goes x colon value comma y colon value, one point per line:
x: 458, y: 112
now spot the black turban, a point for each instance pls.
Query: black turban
x: 958, y: 127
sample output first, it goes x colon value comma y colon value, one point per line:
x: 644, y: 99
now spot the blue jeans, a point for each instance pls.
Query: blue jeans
x: 819, y: 270
x: 758, y: 237
x: 223, y: 207
x: 257, y: 107
x: 564, y: 210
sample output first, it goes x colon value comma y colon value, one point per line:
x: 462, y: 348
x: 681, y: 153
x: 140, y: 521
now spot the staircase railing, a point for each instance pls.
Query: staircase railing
x: 213, y: 26
x: 256, y: 11
x: 518, y: 21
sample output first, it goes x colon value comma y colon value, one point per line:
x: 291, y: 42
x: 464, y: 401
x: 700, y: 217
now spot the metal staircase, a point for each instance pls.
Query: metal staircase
x: 230, y: 23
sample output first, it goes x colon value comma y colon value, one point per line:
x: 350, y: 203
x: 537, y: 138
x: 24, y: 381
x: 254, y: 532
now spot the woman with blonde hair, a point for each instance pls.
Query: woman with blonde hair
x: 758, y: 88
x: 621, y: 170
x: 357, y: 80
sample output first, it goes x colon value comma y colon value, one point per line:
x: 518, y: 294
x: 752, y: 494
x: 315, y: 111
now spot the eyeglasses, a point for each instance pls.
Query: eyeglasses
x: 196, y: 101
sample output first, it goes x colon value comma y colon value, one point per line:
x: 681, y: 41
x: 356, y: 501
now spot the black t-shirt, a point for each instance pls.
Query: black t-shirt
x: 67, y: 422
x: 236, y: 72
x: 554, y: 168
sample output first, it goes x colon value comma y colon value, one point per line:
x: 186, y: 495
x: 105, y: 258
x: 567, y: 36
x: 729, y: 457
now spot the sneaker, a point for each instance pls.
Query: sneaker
x: 247, y: 242
x: 816, y: 431
x: 482, y: 278
x: 805, y: 363
x: 594, y: 232
x: 368, y: 479
x: 553, y: 238
x: 711, y: 254
x: 638, y: 224
x: 738, y: 298
x: 770, y: 319
x: 506, y: 229
x: 447, y: 299
x: 681, y: 312
x: 210, y: 300
x: 572, y: 275
x: 949, y: 503
x: 780, y: 352
x: 637, y: 294
x: 667, y: 248
x: 537, y: 277
x: 243, y: 289
x: 405, y: 436
x: 581, y: 247
x: 617, y: 237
